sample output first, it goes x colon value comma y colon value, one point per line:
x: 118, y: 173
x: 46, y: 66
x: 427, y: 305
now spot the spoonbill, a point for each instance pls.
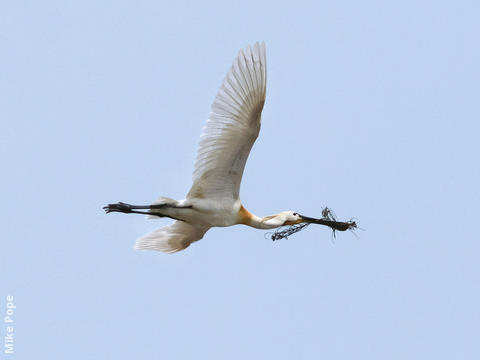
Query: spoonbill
x: 226, y: 141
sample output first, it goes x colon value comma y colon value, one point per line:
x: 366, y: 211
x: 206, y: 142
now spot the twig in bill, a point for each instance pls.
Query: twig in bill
x: 328, y: 219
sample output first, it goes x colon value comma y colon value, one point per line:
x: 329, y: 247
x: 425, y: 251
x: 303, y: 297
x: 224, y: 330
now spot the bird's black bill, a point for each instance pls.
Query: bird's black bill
x: 327, y: 219
x: 331, y: 222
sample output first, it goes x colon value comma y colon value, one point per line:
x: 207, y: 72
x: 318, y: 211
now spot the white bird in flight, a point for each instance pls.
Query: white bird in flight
x: 231, y: 129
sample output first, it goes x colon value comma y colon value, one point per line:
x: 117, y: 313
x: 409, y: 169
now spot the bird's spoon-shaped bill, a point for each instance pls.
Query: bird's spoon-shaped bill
x: 336, y: 225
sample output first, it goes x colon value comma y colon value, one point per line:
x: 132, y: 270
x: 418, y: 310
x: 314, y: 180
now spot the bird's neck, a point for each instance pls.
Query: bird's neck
x: 267, y: 222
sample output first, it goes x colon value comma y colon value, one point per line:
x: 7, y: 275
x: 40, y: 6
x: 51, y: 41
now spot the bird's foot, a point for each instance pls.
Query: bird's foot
x: 118, y: 207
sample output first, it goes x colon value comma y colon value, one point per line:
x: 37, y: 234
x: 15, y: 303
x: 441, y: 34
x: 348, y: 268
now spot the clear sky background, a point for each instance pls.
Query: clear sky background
x: 372, y: 109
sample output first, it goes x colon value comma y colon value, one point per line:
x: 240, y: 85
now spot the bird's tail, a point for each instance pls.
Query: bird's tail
x: 172, y: 238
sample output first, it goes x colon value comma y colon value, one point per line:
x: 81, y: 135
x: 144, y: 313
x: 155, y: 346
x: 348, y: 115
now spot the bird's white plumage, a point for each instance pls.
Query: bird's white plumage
x: 172, y: 238
x: 232, y: 128
x: 225, y: 143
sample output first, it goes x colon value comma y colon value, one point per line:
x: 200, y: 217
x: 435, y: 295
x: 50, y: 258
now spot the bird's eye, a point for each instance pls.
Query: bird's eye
x: 295, y: 214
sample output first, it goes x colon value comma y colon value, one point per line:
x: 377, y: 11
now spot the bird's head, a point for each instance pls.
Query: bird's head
x: 280, y: 219
x: 291, y: 218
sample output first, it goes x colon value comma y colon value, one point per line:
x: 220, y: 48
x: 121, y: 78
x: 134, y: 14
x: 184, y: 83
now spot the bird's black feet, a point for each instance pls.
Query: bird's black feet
x: 118, y: 207
x: 134, y: 209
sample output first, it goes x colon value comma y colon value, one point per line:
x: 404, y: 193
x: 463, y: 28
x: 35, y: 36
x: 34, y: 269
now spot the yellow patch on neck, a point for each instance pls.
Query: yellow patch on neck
x: 244, y: 216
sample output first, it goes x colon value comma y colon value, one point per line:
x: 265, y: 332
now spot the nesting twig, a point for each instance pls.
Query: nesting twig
x: 328, y: 219
x: 286, y: 231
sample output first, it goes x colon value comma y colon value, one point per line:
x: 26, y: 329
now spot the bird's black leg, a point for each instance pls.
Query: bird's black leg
x: 133, y: 209
x: 127, y: 208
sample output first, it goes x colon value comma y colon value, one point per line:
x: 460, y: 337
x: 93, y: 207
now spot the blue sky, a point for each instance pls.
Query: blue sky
x: 372, y: 110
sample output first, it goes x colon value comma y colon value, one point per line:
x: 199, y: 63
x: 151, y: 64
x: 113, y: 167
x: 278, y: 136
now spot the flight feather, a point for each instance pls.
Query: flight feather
x: 232, y: 127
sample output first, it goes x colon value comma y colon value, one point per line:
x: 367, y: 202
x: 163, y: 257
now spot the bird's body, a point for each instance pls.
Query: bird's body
x: 205, y: 212
x: 226, y: 141
x: 212, y: 213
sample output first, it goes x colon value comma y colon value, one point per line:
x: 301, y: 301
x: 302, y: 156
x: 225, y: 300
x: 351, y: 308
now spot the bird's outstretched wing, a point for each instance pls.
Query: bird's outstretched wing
x: 172, y: 238
x: 232, y: 127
